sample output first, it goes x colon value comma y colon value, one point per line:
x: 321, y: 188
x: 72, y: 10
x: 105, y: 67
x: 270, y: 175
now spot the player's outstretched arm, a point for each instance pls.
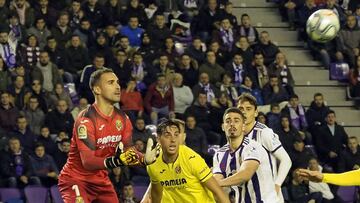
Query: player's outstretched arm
x: 218, y: 192
x: 284, y: 167
x: 246, y: 171
x: 156, y: 192
x: 351, y: 178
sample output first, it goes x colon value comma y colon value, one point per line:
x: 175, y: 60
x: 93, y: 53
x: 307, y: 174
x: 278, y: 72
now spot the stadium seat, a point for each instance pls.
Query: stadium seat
x: 36, y: 194
x: 347, y: 194
x: 10, y: 195
x: 55, y: 194
x: 140, y: 191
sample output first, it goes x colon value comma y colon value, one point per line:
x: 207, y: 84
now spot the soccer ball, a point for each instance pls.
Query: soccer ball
x: 323, y: 25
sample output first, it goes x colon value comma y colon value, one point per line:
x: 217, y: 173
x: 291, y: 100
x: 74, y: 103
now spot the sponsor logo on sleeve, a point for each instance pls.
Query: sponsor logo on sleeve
x: 82, y: 132
x: 118, y: 125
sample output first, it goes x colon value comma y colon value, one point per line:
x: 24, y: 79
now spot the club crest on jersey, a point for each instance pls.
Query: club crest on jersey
x: 118, y: 125
x: 177, y: 169
x: 82, y: 132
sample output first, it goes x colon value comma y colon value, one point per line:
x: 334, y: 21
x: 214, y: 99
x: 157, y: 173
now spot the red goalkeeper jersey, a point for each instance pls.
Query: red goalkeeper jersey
x: 94, y: 131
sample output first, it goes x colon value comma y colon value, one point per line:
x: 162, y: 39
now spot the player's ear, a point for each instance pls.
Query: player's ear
x: 96, y: 90
x: 222, y: 127
x: 184, y: 138
x: 256, y: 112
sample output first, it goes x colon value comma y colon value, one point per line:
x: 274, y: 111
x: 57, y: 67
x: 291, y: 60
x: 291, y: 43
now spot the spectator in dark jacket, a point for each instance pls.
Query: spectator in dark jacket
x: 24, y: 134
x: 77, y: 56
x: 287, y: 134
x: 300, y: 155
x: 316, y: 113
x: 45, y: 139
x: 273, y: 117
x: 61, y: 155
x: 159, y: 32
x: 196, y: 51
x: 331, y: 140
x: 273, y: 92
x: 56, y: 53
x: 44, y: 166
x: 122, y: 67
x: 62, y: 31
x: 195, y: 136
x: 95, y: 13
x: 350, y: 157
x: 189, y: 69
x: 34, y: 115
x: 101, y: 47
x: 18, y: 90
x: 16, y: 165
x: 212, y: 68
x: 140, y: 132
x: 63, y: 118
x: 8, y: 112
x: 266, y: 47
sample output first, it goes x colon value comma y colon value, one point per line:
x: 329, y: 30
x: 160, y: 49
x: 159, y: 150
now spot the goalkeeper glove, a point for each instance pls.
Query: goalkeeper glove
x: 151, y: 153
x: 130, y: 157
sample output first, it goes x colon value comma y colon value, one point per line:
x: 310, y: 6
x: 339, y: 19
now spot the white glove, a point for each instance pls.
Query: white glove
x: 151, y: 153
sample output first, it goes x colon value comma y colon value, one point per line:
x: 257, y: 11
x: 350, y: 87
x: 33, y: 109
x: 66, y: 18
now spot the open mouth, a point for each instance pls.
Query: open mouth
x: 172, y: 147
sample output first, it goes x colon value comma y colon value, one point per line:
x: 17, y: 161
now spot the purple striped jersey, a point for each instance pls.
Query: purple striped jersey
x: 261, y: 187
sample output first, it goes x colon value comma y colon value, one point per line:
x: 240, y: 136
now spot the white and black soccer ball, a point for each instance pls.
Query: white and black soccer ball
x: 323, y: 25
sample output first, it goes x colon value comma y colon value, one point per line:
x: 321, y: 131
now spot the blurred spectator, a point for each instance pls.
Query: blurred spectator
x: 124, y: 44
x: 250, y: 87
x: 280, y: 68
x: 221, y: 56
x: 170, y: 50
x: 8, y: 112
x: 61, y: 155
x: 288, y: 134
x: 134, y: 8
x: 330, y: 141
x: 228, y: 13
x: 229, y: 88
x: 183, y: 96
x: 4, y: 10
x: 246, y: 29
x: 236, y: 69
x: 84, y: 88
x: 24, y: 134
x: 163, y: 67
x: 119, y: 176
x: 226, y: 35
x: 131, y: 101
x: 45, y: 139
x: 296, y: 112
x: 334, y: 6
x: 319, y: 187
x: 95, y: 13
x: 159, y: 100
x: 204, y: 23
x: 128, y: 195
x: 34, y: 115
x: 76, y: 14
x: 273, y: 117
x: 139, y: 69
x: 261, y: 118
x: 299, y: 190
x: 300, y: 156
x: 273, y: 92
x: 259, y: 72
x: 77, y: 57
x: 243, y: 48
x: 46, y: 12
x: 213, y: 69
x: 44, y: 166
x: 56, y: 53
x: 5, y: 78
x: 327, y: 52
x: 42, y: 96
x: 188, y: 68
x: 195, y: 136
x: 60, y: 93
x: 114, y: 10
x: 83, y: 104
x: 210, y: 90
x: 350, y: 157
x: 140, y: 132
x: 62, y: 32
x: 17, y: 31
x: 40, y: 31
x: 62, y: 116
x: 47, y: 72
x: 29, y: 51
x: 59, y: 138
x: 350, y: 38
x: 133, y: 31
x: 288, y: 10
x: 218, y: 107
x: 304, y: 13
x: 355, y: 79
x: 196, y: 50
x: 25, y: 73
x: 316, y: 113
x: 190, y: 8
x: 18, y: 90
x: 86, y: 32
x: 139, y: 145
x: 266, y: 47
x: 147, y: 49
x: 16, y: 166
x: 8, y: 47
x: 122, y: 67
x: 159, y: 32
x: 24, y: 11
x: 101, y: 47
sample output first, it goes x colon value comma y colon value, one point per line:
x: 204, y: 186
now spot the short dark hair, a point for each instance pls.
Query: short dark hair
x: 318, y: 94
x: 274, y: 105
x: 39, y: 144
x: 233, y: 110
x: 294, y: 96
x: 330, y: 112
x: 95, y: 76
x: 166, y: 123
x: 247, y: 97
x: 65, y: 140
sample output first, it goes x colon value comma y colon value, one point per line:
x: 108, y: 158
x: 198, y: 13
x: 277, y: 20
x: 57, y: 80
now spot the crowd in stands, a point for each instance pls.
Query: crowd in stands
x: 186, y: 59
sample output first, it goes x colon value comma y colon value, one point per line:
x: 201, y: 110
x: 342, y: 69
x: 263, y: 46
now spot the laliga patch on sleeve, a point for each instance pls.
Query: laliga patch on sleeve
x: 82, y: 132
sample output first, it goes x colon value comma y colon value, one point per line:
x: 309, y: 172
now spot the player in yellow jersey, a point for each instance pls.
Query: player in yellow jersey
x: 351, y: 178
x: 181, y: 172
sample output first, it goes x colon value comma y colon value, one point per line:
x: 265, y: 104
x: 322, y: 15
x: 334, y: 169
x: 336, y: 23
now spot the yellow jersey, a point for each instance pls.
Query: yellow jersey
x: 181, y: 180
x: 351, y: 178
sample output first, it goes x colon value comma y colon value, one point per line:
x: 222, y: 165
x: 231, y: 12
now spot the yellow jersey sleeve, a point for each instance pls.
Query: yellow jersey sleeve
x: 199, y: 167
x: 351, y: 178
x: 152, y: 176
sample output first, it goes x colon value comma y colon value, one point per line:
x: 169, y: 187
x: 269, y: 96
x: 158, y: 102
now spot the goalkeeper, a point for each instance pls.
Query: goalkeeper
x: 100, y: 134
